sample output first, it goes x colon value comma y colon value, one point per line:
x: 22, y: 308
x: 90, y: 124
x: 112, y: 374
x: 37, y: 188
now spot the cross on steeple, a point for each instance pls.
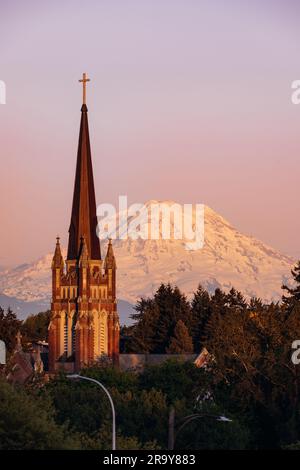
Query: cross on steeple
x: 84, y: 81
x: 84, y: 214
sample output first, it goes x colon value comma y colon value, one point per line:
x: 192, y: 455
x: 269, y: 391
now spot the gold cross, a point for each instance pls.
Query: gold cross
x: 84, y: 81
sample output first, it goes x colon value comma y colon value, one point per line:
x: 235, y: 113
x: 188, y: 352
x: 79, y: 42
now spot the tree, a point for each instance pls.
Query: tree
x: 9, y: 327
x: 178, y: 381
x: 35, y: 327
x: 236, y: 300
x: 293, y: 292
x: 143, y: 333
x: 142, y: 403
x: 181, y: 342
x: 173, y: 306
x: 143, y: 414
x: 250, y: 378
x: 201, y: 311
x: 156, y: 319
x: 27, y: 423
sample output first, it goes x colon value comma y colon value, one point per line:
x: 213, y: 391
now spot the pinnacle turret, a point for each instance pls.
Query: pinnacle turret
x: 57, y: 260
x: 110, y: 261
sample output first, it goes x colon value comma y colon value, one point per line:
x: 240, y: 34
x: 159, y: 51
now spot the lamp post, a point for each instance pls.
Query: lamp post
x: 82, y: 377
x: 185, y: 421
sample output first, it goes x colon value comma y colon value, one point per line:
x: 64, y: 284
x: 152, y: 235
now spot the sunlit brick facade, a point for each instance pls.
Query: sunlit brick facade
x: 84, y: 321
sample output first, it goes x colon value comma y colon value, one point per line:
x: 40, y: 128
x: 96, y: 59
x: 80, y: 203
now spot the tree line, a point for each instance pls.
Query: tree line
x: 250, y: 378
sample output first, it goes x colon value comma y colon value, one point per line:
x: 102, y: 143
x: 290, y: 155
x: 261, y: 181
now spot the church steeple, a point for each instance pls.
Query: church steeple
x: 84, y: 322
x: 84, y: 218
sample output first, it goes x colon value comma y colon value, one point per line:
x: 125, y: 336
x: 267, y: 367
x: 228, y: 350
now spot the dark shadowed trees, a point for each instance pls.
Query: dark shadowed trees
x: 181, y: 342
x: 9, y: 327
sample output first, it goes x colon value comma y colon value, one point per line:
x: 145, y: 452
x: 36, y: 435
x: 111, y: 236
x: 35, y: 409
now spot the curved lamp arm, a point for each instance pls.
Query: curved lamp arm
x: 77, y: 376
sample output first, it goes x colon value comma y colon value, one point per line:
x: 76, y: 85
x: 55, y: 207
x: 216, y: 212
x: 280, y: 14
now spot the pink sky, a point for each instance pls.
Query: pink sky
x: 189, y: 100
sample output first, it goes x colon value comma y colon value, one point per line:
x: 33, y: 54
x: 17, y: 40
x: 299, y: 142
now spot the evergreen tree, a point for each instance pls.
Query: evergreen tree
x: 256, y: 305
x: 172, y: 306
x: 218, y: 308
x: 156, y: 319
x: 9, y: 327
x: 201, y: 311
x: 143, y: 333
x: 181, y: 342
x: 293, y: 292
x: 219, y: 302
x: 236, y: 300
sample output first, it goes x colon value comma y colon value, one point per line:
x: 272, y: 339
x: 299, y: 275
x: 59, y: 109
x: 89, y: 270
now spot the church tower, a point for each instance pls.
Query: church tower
x: 84, y: 321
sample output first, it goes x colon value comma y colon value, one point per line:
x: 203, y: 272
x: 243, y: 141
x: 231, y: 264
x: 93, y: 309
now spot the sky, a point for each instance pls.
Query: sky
x: 189, y: 100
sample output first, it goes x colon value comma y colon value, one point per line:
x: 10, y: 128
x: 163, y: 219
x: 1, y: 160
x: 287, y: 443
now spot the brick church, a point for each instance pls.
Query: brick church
x: 84, y: 323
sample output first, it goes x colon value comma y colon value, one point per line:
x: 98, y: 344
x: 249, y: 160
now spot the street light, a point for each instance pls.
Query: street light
x: 82, y: 377
x: 224, y: 419
x: 185, y: 421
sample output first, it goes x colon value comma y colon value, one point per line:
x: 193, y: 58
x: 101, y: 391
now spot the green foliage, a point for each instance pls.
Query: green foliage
x: 176, y: 379
x: 250, y: 378
x: 156, y: 320
x: 79, y: 403
x: 181, y: 342
x: 35, y: 327
x: 201, y: 312
x: 253, y: 372
x: 9, y: 327
x: 250, y: 373
x: 142, y: 403
x: 294, y: 446
x: 293, y: 293
x: 102, y: 441
x: 27, y: 423
x: 113, y: 377
x: 211, y: 434
x: 143, y: 414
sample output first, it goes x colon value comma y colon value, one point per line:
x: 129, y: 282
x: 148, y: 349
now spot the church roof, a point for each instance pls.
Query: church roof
x: 84, y: 217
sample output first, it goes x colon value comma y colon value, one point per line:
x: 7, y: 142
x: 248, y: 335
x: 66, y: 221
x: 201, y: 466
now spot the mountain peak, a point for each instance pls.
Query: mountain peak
x: 227, y: 259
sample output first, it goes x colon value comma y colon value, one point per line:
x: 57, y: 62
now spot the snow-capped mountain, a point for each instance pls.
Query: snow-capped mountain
x: 227, y: 259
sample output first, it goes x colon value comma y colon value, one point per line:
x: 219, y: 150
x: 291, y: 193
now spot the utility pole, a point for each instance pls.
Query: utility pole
x: 171, y: 434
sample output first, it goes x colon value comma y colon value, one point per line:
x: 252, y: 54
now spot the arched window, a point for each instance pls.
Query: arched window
x: 73, y: 333
x: 66, y: 333
x: 103, y: 333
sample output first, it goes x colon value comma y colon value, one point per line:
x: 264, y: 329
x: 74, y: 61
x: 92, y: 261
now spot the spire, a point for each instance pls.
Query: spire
x: 110, y: 261
x: 57, y: 260
x: 84, y: 218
